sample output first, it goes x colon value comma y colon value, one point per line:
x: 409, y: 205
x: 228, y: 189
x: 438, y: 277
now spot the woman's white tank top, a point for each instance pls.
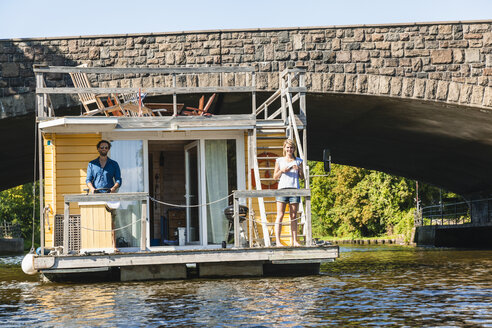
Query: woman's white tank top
x: 289, y: 179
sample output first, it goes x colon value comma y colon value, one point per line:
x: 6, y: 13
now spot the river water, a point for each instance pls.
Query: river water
x: 367, y: 286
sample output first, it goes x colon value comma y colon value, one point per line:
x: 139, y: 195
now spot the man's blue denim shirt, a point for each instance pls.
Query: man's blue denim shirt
x: 103, y: 177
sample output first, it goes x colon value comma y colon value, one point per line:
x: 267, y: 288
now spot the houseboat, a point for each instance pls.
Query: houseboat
x: 197, y: 197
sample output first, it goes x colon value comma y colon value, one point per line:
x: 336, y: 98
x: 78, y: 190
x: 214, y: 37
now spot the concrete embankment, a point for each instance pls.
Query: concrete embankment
x: 10, y: 246
x: 367, y: 241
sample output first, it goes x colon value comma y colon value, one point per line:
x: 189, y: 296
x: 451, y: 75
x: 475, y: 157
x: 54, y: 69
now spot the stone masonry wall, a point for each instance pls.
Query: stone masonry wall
x: 446, y: 62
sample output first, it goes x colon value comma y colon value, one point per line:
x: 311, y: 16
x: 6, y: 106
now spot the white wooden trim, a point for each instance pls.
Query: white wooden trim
x: 146, y: 187
x: 187, y: 180
x: 240, y: 165
x: 203, y: 191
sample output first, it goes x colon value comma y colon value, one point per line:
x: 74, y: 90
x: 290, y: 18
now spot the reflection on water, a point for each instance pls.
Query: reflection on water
x: 369, y: 286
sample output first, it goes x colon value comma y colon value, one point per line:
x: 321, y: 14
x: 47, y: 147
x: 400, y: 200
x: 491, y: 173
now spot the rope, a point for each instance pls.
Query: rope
x: 34, y: 187
x: 198, y: 205
x: 111, y: 230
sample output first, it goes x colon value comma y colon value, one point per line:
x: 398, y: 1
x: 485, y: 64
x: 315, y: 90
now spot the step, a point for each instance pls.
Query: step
x: 271, y: 138
x: 267, y: 157
x: 269, y: 147
x: 288, y: 236
x: 271, y: 224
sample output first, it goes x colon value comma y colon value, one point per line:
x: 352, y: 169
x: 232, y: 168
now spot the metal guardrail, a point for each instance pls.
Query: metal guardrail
x: 452, y: 213
x: 9, y: 230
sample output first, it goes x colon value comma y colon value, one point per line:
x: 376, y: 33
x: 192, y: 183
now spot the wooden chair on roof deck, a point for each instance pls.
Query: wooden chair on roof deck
x: 80, y: 80
x: 202, y: 109
x: 157, y: 109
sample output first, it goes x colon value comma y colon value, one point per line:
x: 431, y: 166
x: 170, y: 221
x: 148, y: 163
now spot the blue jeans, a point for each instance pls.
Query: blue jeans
x: 289, y: 199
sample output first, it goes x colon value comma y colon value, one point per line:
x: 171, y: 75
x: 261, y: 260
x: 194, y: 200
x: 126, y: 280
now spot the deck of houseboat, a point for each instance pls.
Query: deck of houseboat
x: 186, y: 263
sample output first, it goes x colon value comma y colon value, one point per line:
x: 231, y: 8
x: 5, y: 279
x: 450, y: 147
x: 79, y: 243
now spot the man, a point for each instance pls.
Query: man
x: 103, y: 174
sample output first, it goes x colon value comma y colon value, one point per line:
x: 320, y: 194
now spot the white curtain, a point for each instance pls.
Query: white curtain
x: 217, y: 188
x: 129, y: 155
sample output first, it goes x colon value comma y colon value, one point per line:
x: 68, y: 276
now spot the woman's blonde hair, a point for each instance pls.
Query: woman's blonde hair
x: 289, y: 142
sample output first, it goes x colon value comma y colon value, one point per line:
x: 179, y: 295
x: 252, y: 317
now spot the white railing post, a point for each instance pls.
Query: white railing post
x: 237, y: 243
x: 143, y: 226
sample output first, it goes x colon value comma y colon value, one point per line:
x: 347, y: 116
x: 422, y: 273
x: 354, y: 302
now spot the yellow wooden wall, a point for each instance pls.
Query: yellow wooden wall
x: 65, y: 168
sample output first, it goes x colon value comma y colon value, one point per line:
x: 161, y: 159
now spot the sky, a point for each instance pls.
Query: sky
x: 52, y: 18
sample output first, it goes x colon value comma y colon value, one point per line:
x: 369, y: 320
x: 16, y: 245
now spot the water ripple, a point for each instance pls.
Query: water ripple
x: 368, y: 286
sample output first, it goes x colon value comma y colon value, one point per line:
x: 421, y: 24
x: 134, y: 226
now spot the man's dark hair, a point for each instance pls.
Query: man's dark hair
x: 103, y: 141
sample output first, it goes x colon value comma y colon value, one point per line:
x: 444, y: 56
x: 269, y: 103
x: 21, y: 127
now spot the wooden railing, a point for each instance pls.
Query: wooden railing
x: 104, y: 197
x: 306, y: 193
x: 43, y: 92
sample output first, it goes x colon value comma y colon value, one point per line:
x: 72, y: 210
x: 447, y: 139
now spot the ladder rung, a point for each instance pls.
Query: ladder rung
x: 271, y: 224
x: 268, y: 179
x: 266, y: 157
x: 288, y: 236
x: 271, y: 138
x: 286, y: 212
x: 266, y: 168
x: 270, y: 147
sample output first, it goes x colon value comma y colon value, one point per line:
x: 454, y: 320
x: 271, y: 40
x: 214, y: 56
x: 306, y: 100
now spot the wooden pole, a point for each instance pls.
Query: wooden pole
x: 65, y: 227
x: 250, y: 202
x: 143, y: 222
x: 175, y: 98
x: 41, y: 191
x: 236, y: 223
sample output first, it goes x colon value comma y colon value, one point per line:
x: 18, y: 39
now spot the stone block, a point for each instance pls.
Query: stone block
x: 298, y: 41
x: 396, y: 86
x: 343, y: 57
x: 10, y: 70
x: 487, y: 39
x: 408, y: 87
x: 316, y: 82
x: 362, y: 83
x: 340, y: 82
x: 373, y: 84
x: 442, y: 56
x: 360, y: 56
x: 465, y: 93
x: 477, y: 95
x: 430, y: 89
x: 419, y: 88
x: 472, y: 55
x: 336, y: 44
x: 351, y: 83
x: 445, y: 29
x: 487, y: 97
x: 377, y: 37
x: 384, y: 85
x: 442, y: 90
x: 328, y: 82
x: 359, y: 35
x: 454, y: 92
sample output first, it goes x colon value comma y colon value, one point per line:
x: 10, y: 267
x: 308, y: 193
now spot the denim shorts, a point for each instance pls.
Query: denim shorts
x: 289, y: 199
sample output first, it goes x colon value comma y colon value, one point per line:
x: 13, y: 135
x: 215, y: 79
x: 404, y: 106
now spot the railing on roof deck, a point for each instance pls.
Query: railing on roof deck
x: 243, y: 79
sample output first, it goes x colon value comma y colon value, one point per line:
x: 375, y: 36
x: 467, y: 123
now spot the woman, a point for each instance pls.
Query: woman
x: 288, y: 169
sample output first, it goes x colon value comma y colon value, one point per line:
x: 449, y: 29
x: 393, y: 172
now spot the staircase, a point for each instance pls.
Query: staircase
x: 266, y: 145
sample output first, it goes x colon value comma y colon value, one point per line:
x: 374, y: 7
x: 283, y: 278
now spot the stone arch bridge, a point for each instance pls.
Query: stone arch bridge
x: 408, y: 99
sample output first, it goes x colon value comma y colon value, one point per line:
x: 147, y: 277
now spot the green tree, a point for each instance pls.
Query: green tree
x: 16, y: 206
x: 356, y: 202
